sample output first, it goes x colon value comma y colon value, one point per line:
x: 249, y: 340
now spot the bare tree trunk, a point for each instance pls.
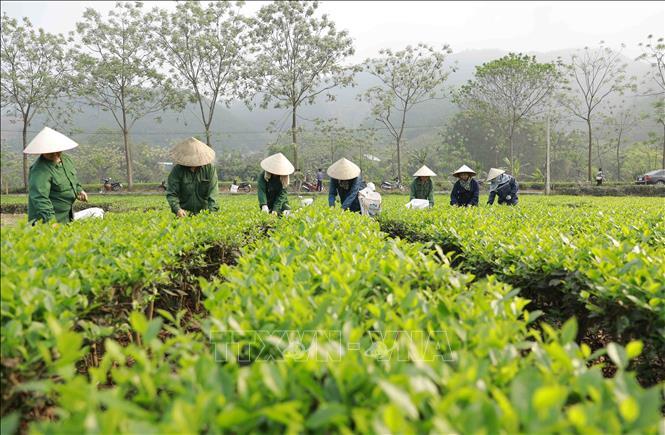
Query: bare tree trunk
x: 618, y: 156
x: 512, y: 148
x: 128, y: 159
x: 663, y: 122
x: 399, y: 161
x: 547, y: 157
x: 293, y: 138
x: 399, y: 142
x: 25, y: 156
x: 588, y: 122
x: 207, y: 121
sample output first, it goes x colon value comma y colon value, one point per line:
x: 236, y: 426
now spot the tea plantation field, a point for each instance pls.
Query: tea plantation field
x: 542, y: 318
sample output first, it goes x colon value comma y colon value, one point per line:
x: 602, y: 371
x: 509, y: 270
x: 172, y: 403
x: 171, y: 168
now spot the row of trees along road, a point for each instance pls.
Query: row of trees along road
x: 133, y: 63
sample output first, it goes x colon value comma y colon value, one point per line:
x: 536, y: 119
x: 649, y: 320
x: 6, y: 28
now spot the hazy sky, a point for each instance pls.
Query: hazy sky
x: 516, y: 26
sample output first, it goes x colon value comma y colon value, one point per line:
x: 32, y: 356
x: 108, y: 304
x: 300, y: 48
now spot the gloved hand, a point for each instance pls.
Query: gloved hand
x: 508, y: 197
x: 286, y: 212
x: 264, y: 208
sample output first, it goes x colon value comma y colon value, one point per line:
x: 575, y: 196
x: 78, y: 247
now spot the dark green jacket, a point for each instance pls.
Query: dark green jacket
x: 422, y: 190
x: 52, y: 190
x: 272, y: 194
x: 192, y: 191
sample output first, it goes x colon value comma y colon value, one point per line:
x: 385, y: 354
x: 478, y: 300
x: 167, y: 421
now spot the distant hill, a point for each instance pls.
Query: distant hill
x: 242, y: 129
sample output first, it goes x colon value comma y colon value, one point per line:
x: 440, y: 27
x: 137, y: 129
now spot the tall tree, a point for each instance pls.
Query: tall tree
x: 118, y: 69
x: 35, y: 73
x: 619, y: 121
x: 654, y: 53
x: 593, y: 76
x: 408, y: 77
x: 205, y: 48
x: 300, y: 56
x: 513, y: 87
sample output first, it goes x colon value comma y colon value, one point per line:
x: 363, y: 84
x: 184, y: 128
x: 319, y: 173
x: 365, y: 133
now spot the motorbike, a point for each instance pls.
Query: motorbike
x: 309, y: 187
x: 108, y: 185
x: 241, y: 187
x: 392, y: 185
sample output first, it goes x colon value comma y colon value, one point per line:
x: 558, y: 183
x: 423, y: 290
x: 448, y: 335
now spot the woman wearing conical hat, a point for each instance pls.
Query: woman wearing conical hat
x: 345, y: 181
x: 192, y: 183
x: 272, y: 182
x: 422, y: 186
x: 503, y: 186
x: 465, y: 191
x: 52, y: 184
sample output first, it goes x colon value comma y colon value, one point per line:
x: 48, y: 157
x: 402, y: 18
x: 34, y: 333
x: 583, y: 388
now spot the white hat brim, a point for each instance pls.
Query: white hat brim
x: 192, y: 152
x: 493, y: 173
x: 464, y: 169
x: 277, y: 164
x: 424, y: 171
x: 343, y: 169
x: 49, y: 141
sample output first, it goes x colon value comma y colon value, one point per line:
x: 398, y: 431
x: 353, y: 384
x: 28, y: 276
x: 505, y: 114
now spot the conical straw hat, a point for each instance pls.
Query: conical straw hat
x: 493, y: 173
x: 464, y: 169
x: 424, y: 171
x: 49, y: 141
x: 343, y: 169
x: 192, y: 152
x: 277, y: 164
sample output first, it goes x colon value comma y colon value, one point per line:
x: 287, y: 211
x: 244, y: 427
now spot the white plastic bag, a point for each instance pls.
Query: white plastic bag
x: 418, y: 204
x: 89, y: 213
x: 370, y: 201
x: 234, y: 188
x: 306, y: 201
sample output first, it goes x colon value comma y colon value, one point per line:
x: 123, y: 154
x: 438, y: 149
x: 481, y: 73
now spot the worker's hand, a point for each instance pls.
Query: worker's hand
x: 508, y: 197
x: 264, y: 208
x: 181, y: 213
x: 82, y: 196
x: 286, y: 212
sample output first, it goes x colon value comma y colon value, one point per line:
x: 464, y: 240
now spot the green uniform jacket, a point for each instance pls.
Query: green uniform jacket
x: 422, y: 190
x: 272, y: 194
x: 52, y: 189
x: 192, y: 191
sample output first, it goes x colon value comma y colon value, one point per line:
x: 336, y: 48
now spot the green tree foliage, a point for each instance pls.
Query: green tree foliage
x: 234, y: 165
x: 471, y: 137
x: 205, y: 49
x: 642, y: 157
x: 513, y: 88
x: 327, y: 141
x: 476, y: 131
x: 617, y: 124
x: 100, y: 156
x: 299, y: 57
x: 35, y: 73
x: 408, y: 77
x: 10, y: 174
x: 592, y: 76
x: 119, y: 72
